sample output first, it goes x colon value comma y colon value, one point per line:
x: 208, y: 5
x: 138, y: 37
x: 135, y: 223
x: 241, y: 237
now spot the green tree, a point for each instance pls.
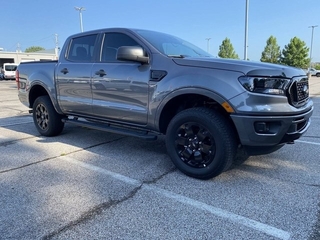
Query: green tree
x: 271, y: 52
x: 317, y: 66
x: 226, y: 50
x: 295, y: 54
x: 34, y: 49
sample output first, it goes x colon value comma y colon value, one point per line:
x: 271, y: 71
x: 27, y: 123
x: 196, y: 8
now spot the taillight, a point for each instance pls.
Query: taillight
x: 17, y: 79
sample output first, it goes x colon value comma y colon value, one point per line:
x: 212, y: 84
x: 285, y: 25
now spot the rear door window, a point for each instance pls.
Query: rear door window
x: 82, y: 48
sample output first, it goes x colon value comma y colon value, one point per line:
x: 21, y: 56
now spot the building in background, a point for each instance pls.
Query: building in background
x: 18, y: 56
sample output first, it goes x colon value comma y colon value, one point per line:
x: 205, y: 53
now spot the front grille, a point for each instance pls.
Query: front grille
x: 298, y: 91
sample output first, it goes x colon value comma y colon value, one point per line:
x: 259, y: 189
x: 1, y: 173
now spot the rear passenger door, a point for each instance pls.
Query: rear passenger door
x: 73, y: 76
x: 120, y: 88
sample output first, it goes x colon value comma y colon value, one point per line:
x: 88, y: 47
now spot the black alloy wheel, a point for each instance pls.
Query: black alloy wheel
x: 46, y: 119
x: 195, y: 145
x: 201, y: 142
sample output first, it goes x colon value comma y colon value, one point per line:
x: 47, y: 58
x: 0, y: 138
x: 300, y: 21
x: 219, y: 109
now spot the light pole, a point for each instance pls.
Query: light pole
x: 208, y: 47
x: 246, y: 32
x: 314, y: 26
x: 80, y: 9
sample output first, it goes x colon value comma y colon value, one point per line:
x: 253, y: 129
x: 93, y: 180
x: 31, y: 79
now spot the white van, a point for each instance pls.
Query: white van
x: 9, y: 70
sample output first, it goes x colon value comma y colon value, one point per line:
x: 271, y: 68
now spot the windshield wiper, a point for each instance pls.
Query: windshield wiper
x: 177, y: 56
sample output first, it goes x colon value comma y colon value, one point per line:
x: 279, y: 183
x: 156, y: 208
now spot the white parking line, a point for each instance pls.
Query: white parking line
x: 117, y: 176
x: 261, y: 227
x: 313, y: 143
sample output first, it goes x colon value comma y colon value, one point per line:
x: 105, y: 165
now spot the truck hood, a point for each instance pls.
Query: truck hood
x: 249, y: 68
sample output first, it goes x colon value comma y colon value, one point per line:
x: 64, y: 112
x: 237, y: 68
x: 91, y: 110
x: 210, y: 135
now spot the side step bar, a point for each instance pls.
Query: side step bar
x: 107, y: 128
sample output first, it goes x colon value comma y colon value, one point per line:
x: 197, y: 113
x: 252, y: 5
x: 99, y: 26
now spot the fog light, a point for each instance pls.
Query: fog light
x: 261, y: 127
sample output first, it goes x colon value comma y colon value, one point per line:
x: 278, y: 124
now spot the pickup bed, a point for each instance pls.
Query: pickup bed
x: 142, y: 83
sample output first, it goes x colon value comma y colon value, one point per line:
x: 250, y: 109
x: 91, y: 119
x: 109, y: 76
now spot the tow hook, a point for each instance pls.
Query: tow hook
x: 30, y: 111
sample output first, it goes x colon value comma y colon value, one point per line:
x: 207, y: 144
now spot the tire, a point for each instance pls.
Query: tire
x: 46, y: 119
x: 201, y: 142
x: 318, y: 74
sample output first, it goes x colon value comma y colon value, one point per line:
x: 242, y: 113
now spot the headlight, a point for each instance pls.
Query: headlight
x: 266, y: 85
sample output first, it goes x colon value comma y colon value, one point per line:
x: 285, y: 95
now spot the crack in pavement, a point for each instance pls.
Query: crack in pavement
x: 156, y: 179
x: 99, y: 209
x: 5, y: 144
x: 54, y: 157
x: 87, y: 216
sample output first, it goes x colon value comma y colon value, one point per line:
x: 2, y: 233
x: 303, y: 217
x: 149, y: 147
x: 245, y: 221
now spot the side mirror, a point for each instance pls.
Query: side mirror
x: 132, y: 53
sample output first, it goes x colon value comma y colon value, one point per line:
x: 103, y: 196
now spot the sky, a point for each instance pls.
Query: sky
x: 26, y: 23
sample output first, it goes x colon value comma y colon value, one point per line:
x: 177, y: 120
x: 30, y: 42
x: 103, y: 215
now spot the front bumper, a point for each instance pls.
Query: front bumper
x: 271, y: 130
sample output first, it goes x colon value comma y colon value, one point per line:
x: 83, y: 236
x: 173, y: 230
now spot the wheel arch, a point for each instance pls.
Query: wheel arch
x: 188, y: 98
x: 38, y: 89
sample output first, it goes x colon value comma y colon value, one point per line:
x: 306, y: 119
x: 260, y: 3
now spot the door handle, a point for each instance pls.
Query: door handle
x: 101, y: 73
x: 64, y: 71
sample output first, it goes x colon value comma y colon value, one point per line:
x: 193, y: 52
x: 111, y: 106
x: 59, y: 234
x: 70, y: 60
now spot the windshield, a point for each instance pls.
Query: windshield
x: 172, y: 46
x: 10, y: 67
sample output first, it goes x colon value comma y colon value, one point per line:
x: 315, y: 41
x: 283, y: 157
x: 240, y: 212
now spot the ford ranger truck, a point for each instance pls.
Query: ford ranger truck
x: 144, y: 83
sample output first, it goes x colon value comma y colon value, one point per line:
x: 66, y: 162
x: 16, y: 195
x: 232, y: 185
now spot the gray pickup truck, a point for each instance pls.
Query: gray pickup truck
x: 144, y: 83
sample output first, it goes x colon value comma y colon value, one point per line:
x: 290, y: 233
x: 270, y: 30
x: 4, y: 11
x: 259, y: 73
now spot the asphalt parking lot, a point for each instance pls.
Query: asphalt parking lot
x: 86, y: 184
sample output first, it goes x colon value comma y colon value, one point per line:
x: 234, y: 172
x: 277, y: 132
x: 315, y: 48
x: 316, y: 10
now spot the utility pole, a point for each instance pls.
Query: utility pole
x: 80, y: 9
x: 18, y: 51
x: 314, y: 26
x: 56, y: 49
x: 246, y: 32
x: 18, y: 48
x: 208, y: 46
